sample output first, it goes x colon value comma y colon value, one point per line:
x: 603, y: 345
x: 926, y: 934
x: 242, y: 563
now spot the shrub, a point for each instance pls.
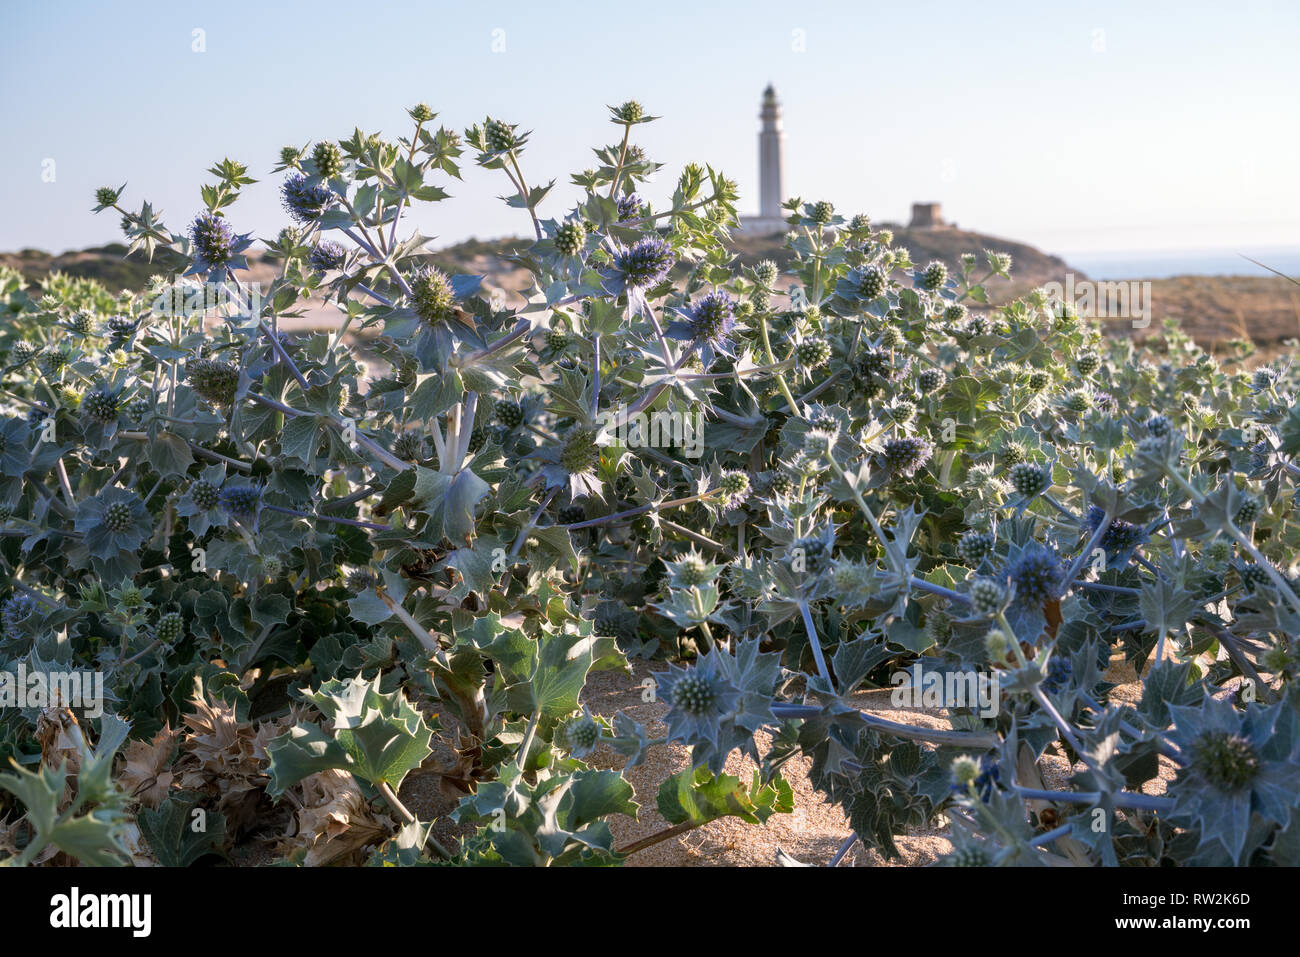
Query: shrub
x: 251, y: 531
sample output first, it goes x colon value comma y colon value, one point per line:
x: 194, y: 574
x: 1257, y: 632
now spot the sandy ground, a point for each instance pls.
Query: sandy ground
x: 811, y: 833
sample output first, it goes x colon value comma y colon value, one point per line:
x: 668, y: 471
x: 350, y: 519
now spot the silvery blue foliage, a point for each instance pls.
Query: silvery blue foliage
x: 718, y: 703
x: 1239, y: 764
x: 701, y: 698
x: 791, y: 483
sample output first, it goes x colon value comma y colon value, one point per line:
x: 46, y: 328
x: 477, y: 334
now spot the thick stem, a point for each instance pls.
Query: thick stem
x: 378, y: 451
x: 422, y: 634
x: 407, y: 817
x: 1113, y: 589
x: 658, y: 836
x: 771, y: 360
x: 1062, y: 831
x: 844, y: 849
x: 960, y: 739
x: 529, y: 734
x: 1067, y: 730
x: 896, y: 562
x: 64, y: 483
x: 467, y: 415
x: 1127, y: 799
x: 1077, y: 565
x: 696, y: 537
x: 354, y: 522
x: 922, y: 585
x: 622, y: 155
x: 523, y: 194
x: 521, y: 327
x: 198, y: 450
x: 816, y: 644
x: 639, y: 510
x: 532, y: 523
x: 401, y: 203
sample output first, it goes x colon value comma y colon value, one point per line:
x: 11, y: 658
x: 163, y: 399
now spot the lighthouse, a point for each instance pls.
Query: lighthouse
x: 771, y: 149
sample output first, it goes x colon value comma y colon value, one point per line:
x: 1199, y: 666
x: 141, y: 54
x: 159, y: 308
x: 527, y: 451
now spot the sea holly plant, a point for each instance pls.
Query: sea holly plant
x: 312, y: 566
x: 86, y: 825
x: 376, y: 737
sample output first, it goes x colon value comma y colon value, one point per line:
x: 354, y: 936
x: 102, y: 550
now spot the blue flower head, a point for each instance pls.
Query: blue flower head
x: 214, y: 241
x: 16, y: 611
x: 984, y: 777
x: 1037, y: 575
x: 241, y: 501
x: 905, y: 456
x: 1060, y: 673
x: 113, y: 522
x: 1240, y: 768
x: 629, y: 207
x: 1120, y: 538
x: 644, y: 263
x: 1104, y: 401
x: 989, y: 778
x: 326, y: 255
x: 713, y: 319
x: 707, y: 325
x: 304, y: 200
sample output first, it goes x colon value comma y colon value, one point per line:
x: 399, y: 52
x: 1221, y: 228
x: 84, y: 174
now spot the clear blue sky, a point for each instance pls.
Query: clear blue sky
x: 1075, y: 126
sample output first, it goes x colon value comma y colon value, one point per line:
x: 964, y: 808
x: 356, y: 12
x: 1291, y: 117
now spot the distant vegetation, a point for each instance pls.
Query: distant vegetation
x: 108, y: 264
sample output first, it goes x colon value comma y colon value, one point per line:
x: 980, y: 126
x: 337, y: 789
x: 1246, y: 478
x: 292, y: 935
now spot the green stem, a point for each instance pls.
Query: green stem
x: 422, y: 634
x: 622, y: 155
x: 529, y: 734
x: 771, y: 360
x: 523, y: 194
x: 896, y: 562
x: 1015, y: 642
x: 407, y: 817
x: 693, y: 535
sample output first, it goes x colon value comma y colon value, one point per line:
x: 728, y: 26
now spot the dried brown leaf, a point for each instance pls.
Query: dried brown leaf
x: 145, y: 776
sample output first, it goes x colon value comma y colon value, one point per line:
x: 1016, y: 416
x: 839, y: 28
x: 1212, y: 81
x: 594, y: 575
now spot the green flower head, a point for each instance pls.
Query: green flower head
x: 1240, y: 764
x: 433, y: 297
x: 112, y: 522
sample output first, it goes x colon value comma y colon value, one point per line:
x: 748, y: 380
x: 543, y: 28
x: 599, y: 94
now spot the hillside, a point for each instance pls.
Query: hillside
x: 104, y: 263
x: 1265, y: 309
x: 108, y: 265
x: 1214, y: 309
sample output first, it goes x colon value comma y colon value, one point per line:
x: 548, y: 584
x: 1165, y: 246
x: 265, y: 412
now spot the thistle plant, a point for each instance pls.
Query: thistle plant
x: 433, y: 550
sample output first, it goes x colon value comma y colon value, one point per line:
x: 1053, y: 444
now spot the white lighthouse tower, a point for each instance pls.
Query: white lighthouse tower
x: 771, y: 147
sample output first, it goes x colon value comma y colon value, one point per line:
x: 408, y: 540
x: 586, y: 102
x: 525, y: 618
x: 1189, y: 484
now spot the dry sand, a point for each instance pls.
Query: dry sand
x: 811, y: 833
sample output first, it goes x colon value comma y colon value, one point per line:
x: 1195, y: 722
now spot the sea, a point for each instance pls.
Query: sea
x: 1164, y: 264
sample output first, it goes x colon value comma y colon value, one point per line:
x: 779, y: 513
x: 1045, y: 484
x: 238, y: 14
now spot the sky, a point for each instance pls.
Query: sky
x: 1077, y: 127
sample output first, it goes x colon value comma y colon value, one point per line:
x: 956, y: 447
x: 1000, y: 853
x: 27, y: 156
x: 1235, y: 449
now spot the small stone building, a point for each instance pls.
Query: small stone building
x: 926, y: 216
